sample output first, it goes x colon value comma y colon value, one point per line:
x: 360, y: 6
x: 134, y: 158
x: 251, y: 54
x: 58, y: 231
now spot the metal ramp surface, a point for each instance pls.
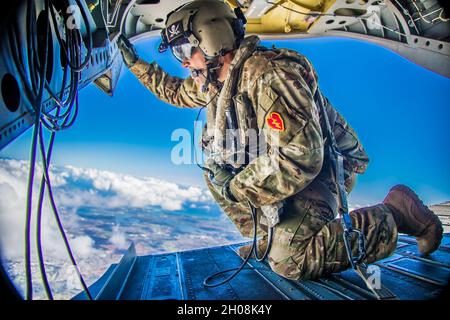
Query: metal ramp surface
x: 179, y: 276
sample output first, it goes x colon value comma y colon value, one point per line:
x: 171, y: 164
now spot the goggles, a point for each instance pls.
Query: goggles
x: 175, y: 37
x: 182, y: 50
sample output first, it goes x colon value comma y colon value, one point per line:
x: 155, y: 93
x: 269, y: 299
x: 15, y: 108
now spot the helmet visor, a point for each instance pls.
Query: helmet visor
x: 182, y: 50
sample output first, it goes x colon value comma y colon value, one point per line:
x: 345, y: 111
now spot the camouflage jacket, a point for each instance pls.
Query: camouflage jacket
x: 271, y: 91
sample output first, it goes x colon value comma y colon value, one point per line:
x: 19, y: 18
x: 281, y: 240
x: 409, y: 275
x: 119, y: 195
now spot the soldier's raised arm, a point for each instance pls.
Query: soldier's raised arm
x: 183, y: 93
x: 287, y: 114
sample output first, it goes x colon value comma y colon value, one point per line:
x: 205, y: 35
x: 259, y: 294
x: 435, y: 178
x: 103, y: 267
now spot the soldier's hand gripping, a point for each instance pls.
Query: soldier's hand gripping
x: 221, y: 177
x: 128, y: 51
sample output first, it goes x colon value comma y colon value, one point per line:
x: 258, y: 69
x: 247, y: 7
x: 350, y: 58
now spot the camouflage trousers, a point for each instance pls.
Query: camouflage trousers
x: 308, y: 242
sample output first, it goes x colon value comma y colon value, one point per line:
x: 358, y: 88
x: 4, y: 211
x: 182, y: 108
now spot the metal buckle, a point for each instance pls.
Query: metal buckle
x: 355, y: 260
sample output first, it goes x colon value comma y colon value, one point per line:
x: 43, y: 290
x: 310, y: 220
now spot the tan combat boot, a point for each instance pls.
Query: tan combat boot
x: 262, y: 245
x: 414, y: 218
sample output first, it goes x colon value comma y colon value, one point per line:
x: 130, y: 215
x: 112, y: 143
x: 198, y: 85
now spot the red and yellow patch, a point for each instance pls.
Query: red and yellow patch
x: 275, y: 121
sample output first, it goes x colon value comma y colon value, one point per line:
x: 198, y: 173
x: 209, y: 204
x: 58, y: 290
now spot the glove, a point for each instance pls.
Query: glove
x: 129, y: 53
x: 221, y: 178
x: 226, y: 192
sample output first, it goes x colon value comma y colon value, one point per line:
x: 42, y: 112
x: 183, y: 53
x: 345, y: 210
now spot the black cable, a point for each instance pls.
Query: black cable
x: 46, y: 161
x: 56, y: 214
x: 73, y: 59
x: 74, y: 41
x: 53, y: 125
x: 193, y: 139
x: 80, y: 67
x: 58, y: 101
x: 40, y: 203
x: 68, y: 102
x: 39, y: 213
x: 242, y: 266
x: 46, y: 178
x: 40, y: 254
x: 269, y: 245
x: 254, y: 218
x: 38, y: 107
x: 236, y: 270
x: 34, y: 88
x: 193, y: 135
x: 316, y: 14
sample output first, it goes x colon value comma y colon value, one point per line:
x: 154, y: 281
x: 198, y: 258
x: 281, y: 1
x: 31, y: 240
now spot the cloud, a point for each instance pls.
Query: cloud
x: 102, y: 212
x: 118, y: 238
x: 113, y: 190
x: 83, y: 246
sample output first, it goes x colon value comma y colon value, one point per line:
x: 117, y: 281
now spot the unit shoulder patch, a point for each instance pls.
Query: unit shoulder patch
x: 275, y: 121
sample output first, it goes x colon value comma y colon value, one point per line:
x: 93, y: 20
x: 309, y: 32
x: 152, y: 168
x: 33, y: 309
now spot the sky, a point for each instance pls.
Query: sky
x: 398, y: 109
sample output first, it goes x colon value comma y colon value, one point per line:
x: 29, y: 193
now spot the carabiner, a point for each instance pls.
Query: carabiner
x: 355, y: 260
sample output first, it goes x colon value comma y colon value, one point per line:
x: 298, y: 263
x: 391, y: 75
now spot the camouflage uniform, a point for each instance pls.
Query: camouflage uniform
x: 308, y: 241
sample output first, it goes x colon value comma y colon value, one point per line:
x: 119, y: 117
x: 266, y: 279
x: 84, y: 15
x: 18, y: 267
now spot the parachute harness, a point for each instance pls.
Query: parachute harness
x: 337, y: 161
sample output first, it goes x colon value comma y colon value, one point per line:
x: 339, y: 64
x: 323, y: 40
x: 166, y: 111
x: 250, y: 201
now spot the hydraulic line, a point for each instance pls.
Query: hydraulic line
x: 406, y: 12
x: 441, y: 10
x: 313, y: 13
x: 439, y: 17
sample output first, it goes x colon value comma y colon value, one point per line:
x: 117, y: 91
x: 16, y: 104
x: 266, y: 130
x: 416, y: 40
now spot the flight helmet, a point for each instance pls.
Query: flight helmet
x: 211, y: 25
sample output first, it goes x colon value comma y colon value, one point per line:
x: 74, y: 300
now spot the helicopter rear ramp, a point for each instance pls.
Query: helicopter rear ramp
x: 406, y: 274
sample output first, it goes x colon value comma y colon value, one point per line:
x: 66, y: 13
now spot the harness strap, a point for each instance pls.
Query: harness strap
x: 337, y: 160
